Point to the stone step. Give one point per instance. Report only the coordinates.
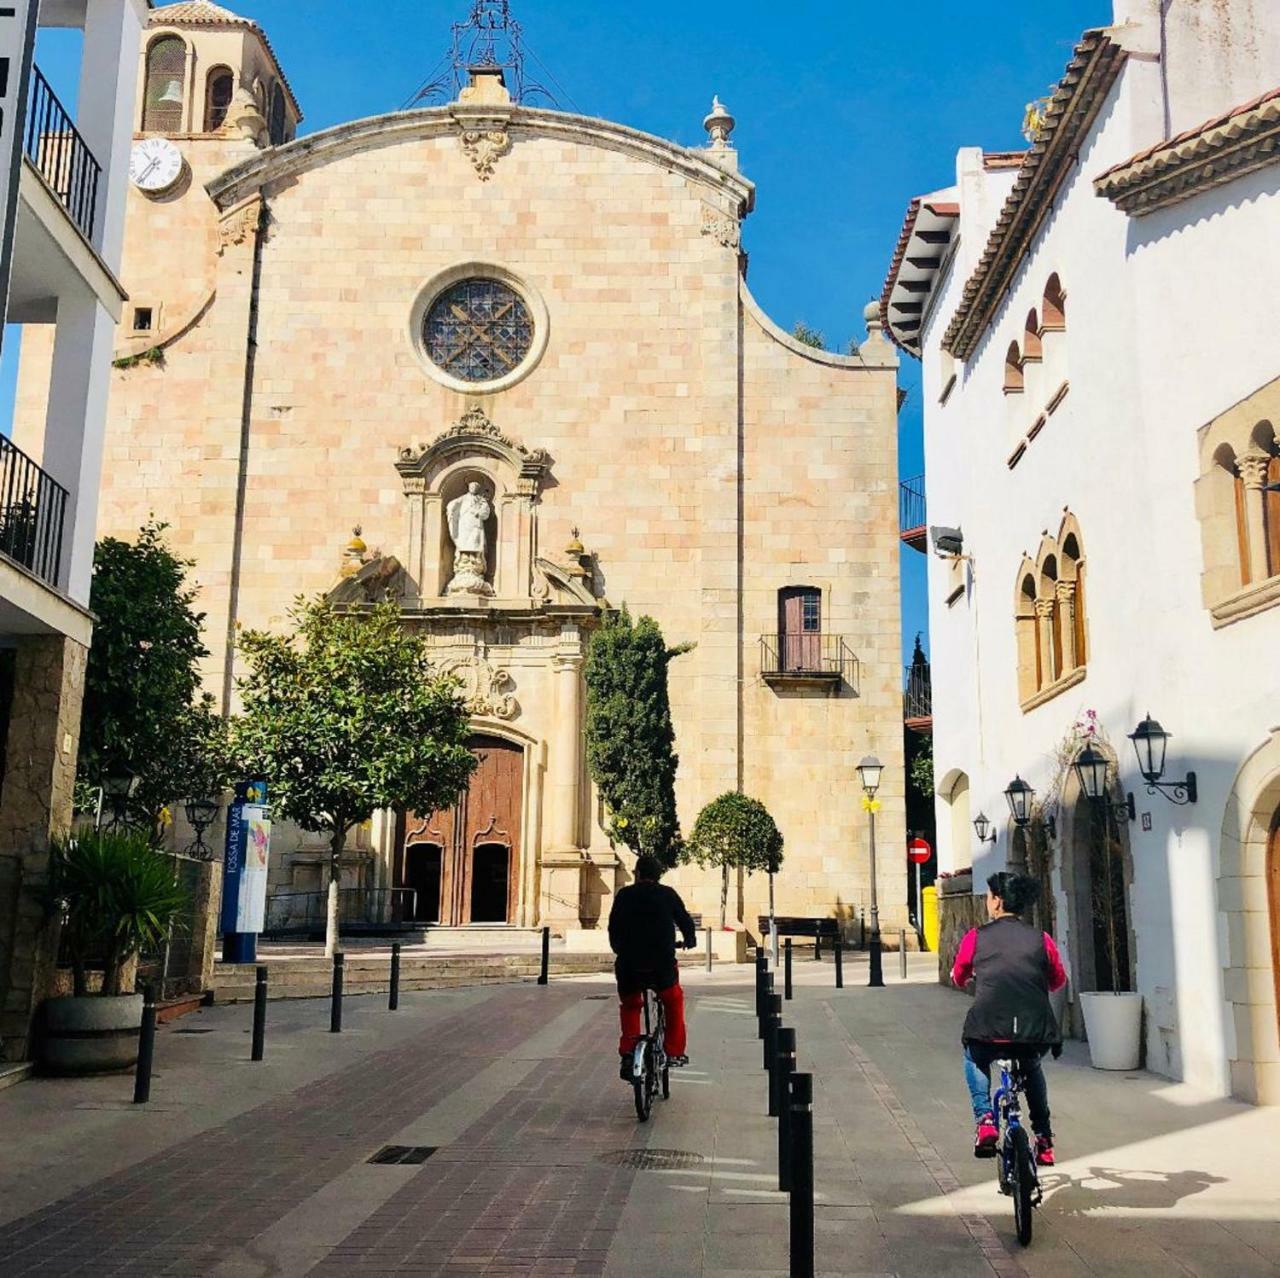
(312, 977)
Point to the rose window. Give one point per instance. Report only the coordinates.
(478, 330)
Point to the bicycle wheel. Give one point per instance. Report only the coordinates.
(642, 1084)
(1024, 1183)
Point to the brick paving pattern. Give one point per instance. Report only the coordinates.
(521, 1192)
(181, 1211)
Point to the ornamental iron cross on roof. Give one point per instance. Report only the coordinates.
(490, 37)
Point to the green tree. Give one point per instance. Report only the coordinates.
(630, 737)
(814, 337)
(345, 716)
(144, 712)
(736, 832)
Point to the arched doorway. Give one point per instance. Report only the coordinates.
(1273, 903)
(1096, 878)
(463, 862)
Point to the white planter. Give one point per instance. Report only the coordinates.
(1113, 1023)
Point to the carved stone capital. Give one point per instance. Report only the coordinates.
(1045, 607)
(1066, 592)
(1253, 468)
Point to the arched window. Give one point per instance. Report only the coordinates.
(1031, 337)
(1051, 614)
(1265, 444)
(220, 86)
(276, 124)
(1013, 370)
(800, 628)
(1030, 678)
(1054, 308)
(164, 94)
(1073, 574)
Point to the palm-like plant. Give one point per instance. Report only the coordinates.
(118, 897)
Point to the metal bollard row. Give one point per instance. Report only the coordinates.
(146, 1047)
(259, 1016)
(545, 974)
(335, 1002)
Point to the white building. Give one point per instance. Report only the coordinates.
(62, 227)
(1097, 324)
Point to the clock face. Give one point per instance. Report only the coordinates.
(155, 164)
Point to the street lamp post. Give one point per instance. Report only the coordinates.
(118, 787)
(869, 771)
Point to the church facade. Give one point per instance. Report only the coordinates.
(515, 349)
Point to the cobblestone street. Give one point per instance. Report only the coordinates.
(238, 1170)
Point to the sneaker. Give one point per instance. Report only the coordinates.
(986, 1137)
(624, 1069)
(1044, 1151)
(677, 1062)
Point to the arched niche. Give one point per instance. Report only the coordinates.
(511, 477)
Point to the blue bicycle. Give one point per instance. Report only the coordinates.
(1015, 1160)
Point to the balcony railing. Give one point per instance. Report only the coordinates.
(61, 155)
(912, 514)
(917, 695)
(807, 657)
(33, 507)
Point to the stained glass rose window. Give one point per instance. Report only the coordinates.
(478, 330)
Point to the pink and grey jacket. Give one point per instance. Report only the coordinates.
(1015, 968)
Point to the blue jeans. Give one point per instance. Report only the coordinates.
(977, 1076)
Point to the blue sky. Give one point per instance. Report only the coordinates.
(845, 111)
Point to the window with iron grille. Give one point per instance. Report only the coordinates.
(276, 127)
(478, 330)
(163, 98)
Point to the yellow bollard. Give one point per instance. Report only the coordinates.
(929, 908)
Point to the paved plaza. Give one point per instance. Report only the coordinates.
(237, 1170)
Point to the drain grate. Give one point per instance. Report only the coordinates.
(404, 1154)
(653, 1159)
(591, 998)
(193, 1030)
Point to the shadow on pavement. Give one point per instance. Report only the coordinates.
(1122, 1188)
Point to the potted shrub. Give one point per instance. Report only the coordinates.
(1113, 1015)
(117, 897)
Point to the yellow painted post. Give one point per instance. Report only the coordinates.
(930, 911)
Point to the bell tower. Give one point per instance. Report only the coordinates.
(207, 72)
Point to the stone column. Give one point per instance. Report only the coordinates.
(1066, 591)
(40, 768)
(1253, 470)
(560, 890)
(1044, 639)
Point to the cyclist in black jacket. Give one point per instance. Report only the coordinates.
(642, 933)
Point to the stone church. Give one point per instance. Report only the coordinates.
(515, 350)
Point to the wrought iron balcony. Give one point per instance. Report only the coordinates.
(917, 696)
(807, 657)
(61, 156)
(912, 514)
(33, 508)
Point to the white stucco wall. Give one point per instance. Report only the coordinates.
(1170, 320)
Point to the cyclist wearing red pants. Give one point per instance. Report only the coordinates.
(642, 933)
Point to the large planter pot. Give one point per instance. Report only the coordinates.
(91, 1035)
(1113, 1023)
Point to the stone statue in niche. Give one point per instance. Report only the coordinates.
(467, 517)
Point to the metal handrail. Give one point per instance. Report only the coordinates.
(912, 508)
(61, 155)
(300, 913)
(807, 653)
(33, 511)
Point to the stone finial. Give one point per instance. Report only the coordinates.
(874, 320)
(354, 554)
(719, 124)
(245, 119)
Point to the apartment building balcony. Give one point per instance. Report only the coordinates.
(917, 697)
(912, 517)
(58, 236)
(808, 657)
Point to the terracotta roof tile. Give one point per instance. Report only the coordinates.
(1238, 141)
(1088, 78)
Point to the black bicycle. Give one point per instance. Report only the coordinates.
(1015, 1160)
(649, 1068)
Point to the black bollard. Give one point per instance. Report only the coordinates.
(335, 1006)
(817, 944)
(146, 1047)
(786, 968)
(772, 1021)
(839, 963)
(783, 1069)
(761, 972)
(259, 1016)
(545, 974)
(802, 1261)
(766, 993)
(393, 998)
(902, 951)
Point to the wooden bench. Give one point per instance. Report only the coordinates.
(819, 929)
